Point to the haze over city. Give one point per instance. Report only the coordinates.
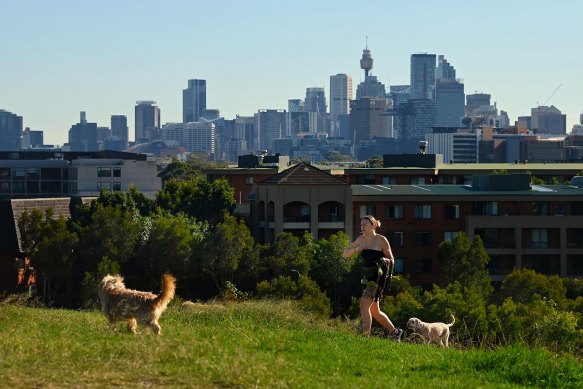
(63, 57)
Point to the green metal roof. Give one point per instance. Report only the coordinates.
(462, 190)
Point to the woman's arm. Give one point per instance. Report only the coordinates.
(387, 251)
(352, 249)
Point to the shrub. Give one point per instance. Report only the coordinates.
(305, 290)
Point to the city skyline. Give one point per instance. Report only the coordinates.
(64, 57)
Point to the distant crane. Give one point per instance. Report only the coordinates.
(548, 98)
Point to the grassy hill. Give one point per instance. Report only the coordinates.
(248, 345)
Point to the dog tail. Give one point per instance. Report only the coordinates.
(167, 294)
(452, 321)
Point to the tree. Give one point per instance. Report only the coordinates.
(287, 253)
(178, 170)
(50, 245)
(522, 285)
(167, 244)
(329, 269)
(225, 247)
(465, 261)
(198, 198)
(375, 161)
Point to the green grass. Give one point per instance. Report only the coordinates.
(248, 345)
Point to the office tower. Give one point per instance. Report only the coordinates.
(548, 120)
(270, 125)
(368, 118)
(370, 87)
(315, 100)
(340, 96)
(412, 120)
(83, 136)
(10, 131)
(193, 100)
(193, 136)
(449, 101)
(32, 139)
(475, 101)
(295, 105)
(422, 75)
(119, 129)
(147, 121)
(245, 129)
(444, 71)
(581, 119)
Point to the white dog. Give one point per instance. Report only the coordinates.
(430, 332)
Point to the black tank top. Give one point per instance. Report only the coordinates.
(372, 260)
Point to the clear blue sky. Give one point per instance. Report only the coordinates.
(61, 57)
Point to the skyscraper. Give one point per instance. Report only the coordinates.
(340, 96)
(10, 131)
(548, 120)
(83, 135)
(147, 121)
(368, 118)
(271, 125)
(119, 128)
(193, 100)
(315, 100)
(448, 95)
(422, 75)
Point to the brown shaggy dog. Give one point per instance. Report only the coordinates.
(119, 303)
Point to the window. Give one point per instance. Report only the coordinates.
(18, 174)
(32, 187)
(5, 173)
(417, 180)
(50, 173)
(32, 173)
(422, 212)
(452, 211)
(117, 186)
(4, 187)
(305, 213)
(423, 239)
(540, 208)
(367, 210)
(117, 172)
(248, 180)
(395, 211)
(103, 172)
(334, 211)
(559, 209)
(540, 238)
(395, 239)
(389, 180)
(399, 266)
(104, 185)
(491, 208)
(18, 187)
(449, 235)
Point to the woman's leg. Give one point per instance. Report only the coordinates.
(365, 314)
(380, 316)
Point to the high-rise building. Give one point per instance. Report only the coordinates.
(10, 131)
(147, 121)
(193, 136)
(475, 101)
(119, 129)
(368, 119)
(449, 101)
(83, 136)
(548, 120)
(412, 121)
(270, 125)
(32, 139)
(315, 100)
(422, 75)
(340, 96)
(193, 100)
(444, 71)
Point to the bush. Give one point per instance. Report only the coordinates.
(305, 290)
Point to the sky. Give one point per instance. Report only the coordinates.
(61, 57)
